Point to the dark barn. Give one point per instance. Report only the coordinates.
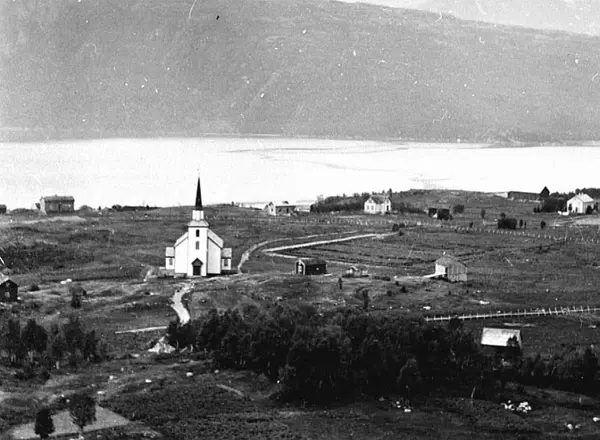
(507, 223)
(311, 266)
(9, 290)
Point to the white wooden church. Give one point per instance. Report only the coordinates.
(199, 252)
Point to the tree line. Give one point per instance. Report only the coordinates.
(323, 357)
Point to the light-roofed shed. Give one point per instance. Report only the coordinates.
(498, 337)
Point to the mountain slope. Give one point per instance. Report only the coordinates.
(578, 16)
(314, 68)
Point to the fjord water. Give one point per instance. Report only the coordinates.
(162, 172)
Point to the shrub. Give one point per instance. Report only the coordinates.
(75, 301)
(34, 288)
(44, 426)
(82, 408)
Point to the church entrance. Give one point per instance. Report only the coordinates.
(197, 267)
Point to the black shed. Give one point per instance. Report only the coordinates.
(311, 266)
(9, 290)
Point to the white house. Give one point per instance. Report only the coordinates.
(199, 252)
(378, 205)
(580, 203)
(280, 208)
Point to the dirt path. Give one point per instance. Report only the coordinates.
(273, 251)
(177, 305)
(246, 255)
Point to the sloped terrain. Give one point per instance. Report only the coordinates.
(310, 68)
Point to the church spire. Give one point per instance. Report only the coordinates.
(198, 206)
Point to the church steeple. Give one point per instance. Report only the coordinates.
(198, 206)
(198, 212)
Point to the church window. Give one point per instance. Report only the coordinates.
(197, 245)
(197, 232)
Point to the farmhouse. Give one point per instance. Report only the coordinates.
(450, 268)
(580, 204)
(2, 209)
(199, 251)
(377, 204)
(497, 338)
(280, 208)
(57, 204)
(8, 289)
(311, 266)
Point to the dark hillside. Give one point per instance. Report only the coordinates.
(314, 68)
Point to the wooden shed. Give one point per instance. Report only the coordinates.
(451, 268)
(57, 204)
(9, 290)
(311, 266)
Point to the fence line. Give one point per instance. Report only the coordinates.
(512, 313)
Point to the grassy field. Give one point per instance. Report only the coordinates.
(110, 254)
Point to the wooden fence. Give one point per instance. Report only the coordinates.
(518, 313)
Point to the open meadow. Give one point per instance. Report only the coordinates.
(114, 256)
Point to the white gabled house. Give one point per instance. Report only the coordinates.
(378, 205)
(580, 204)
(280, 208)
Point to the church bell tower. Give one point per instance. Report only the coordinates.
(197, 239)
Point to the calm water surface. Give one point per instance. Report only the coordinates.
(163, 171)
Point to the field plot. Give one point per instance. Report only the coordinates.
(513, 270)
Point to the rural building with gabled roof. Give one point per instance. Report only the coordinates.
(57, 204)
(280, 208)
(580, 204)
(378, 204)
(9, 290)
(311, 266)
(450, 268)
(199, 251)
(498, 337)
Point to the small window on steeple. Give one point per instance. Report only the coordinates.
(197, 245)
(197, 232)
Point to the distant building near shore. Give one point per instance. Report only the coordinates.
(9, 290)
(378, 204)
(280, 208)
(581, 204)
(439, 213)
(522, 196)
(2, 209)
(57, 204)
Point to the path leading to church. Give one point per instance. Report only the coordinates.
(177, 305)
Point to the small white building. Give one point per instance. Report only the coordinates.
(280, 208)
(580, 203)
(377, 204)
(451, 268)
(498, 337)
(198, 252)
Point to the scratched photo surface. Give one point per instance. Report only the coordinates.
(310, 219)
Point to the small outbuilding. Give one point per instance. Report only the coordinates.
(226, 254)
(355, 271)
(2, 209)
(451, 268)
(9, 290)
(311, 266)
(280, 208)
(497, 338)
(57, 204)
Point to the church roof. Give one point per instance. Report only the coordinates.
(198, 205)
(215, 238)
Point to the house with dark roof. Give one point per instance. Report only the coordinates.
(57, 204)
(378, 204)
(450, 268)
(311, 266)
(9, 290)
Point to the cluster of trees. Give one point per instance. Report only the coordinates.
(82, 409)
(33, 346)
(323, 357)
(342, 203)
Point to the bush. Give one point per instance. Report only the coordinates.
(75, 301)
(34, 288)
